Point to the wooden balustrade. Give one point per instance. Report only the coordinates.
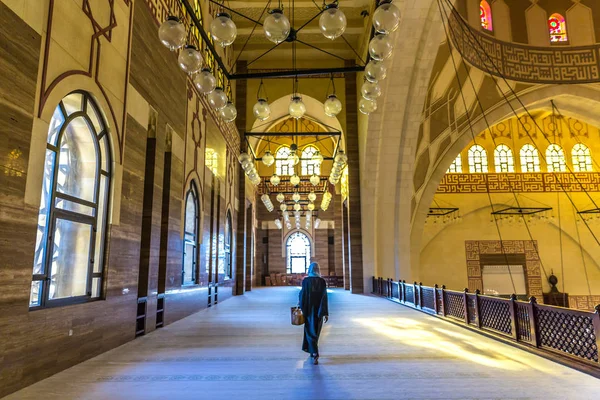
(568, 336)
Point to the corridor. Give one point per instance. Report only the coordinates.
(371, 349)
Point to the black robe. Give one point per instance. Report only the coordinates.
(313, 302)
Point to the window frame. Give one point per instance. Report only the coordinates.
(54, 213)
(560, 152)
(307, 164)
(484, 4)
(504, 157)
(281, 163)
(307, 251)
(471, 160)
(576, 158)
(565, 34)
(456, 167)
(535, 157)
(193, 192)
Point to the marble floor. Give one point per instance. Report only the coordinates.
(245, 348)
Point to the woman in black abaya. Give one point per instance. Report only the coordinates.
(313, 302)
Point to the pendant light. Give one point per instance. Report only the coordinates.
(296, 108)
(190, 60)
(172, 33)
(380, 47)
(317, 158)
(315, 179)
(276, 26)
(375, 71)
(367, 106)
(278, 223)
(217, 98)
(261, 109)
(332, 22)
(370, 90)
(280, 197)
(332, 105)
(293, 158)
(268, 159)
(275, 180)
(311, 206)
(295, 180)
(223, 29)
(386, 17)
(228, 113)
(205, 81)
(296, 197)
(312, 196)
(297, 207)
(283, 207)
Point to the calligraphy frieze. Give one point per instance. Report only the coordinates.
(535, 182)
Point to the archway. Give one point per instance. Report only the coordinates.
(297, 253)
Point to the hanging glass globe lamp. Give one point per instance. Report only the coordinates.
(283, 207)
(172, 33)
(310, 207)
(228, 113)
(190, 60)
(317, 157)
(386, 17)
(367, 106)
(261, 110)
(341, 158)
(315, 179)
(297, 207)
(296, 197)
(295, 180)
(276, 26)
(223, 29)
(275, 180)
(332, 106)
(332, 22)
(244, 158)
(268, 158)
(370, 90)
(312, 196)
(375, 71)
(217, 98)
(293, 158)
(296, 107)
(380, 47)
(205, 81)
(280, 197)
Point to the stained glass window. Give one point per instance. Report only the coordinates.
(503, 159)
(555, 157)
(309, 166)
(485, 13)
(73, 216)
(530, 159)
(477, 159)
(298, 253)
(582, 158)
(190, 242)
(282, 165)
(456, 166)
(558, 28)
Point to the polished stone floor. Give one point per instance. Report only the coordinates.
(245, 348)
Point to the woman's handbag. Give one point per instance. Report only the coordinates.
(297, 316)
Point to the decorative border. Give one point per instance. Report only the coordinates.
(524, 63)
(474, 248)
(535, 182)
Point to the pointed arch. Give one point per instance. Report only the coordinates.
(582, 158)
(283, 166)
(503, 159)
(485, 15)
(530, 158)
(189, 268)
(555, 157)
(478, 162)
(310, 166)
(557, 27)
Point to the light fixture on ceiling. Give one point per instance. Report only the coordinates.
(190, 60)
(370, 90)
(261, 109)
(280, 197)
(332, 105)
(326, 200)
(332, 22)
(297, 108)
(217, 98)
(339, 163)
(223, 29)
(297, 207)
(205, 81)
(312, 196)
(275, 180)
(293, 158)
(311, 206)
(315, 179)
(367, 106)
(375, 71)
(268, 159)
(296, 197)
(317, 223)
(380, 47)
(295, 180)
(267, 202)
(283, 207)
(228, 113)
(247, 163)
(276, 26)
(172, 33)
(278, 223)
(386, 18)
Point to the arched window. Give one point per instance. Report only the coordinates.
(477, 159)
(555, 157)
(69, 251)
(309, 166)
(456, 166)
(485, 13)
(190, 240)
(227, 247)
(557, 27)
(530, 159)
(298, 253)
(582, 158)
(503, 159)
(282, 165)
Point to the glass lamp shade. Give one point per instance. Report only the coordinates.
(276, 26)
(317, 223)
(386, 18)
(296, 107)
(223, 29)
(341, 158)
(375, 71)
(281, 197)
(268, 158)
(278, 223)
(367, 106)
(296, 197)
(380, 47)
(293, 158)
(370, 90)
(318, 157)
(295, 180)
(332, 22)
(228, 113)
(172, 33)
(297, 207)
(333, 180)
(283, 207)
(275, 180)
(205, 81)
(217, 98)
(244, 158)
(311, 206)
(261, 110)
(190, 60)
(332, 106)
(315, 179)
(312, 196)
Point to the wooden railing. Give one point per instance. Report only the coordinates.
(569, 336)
